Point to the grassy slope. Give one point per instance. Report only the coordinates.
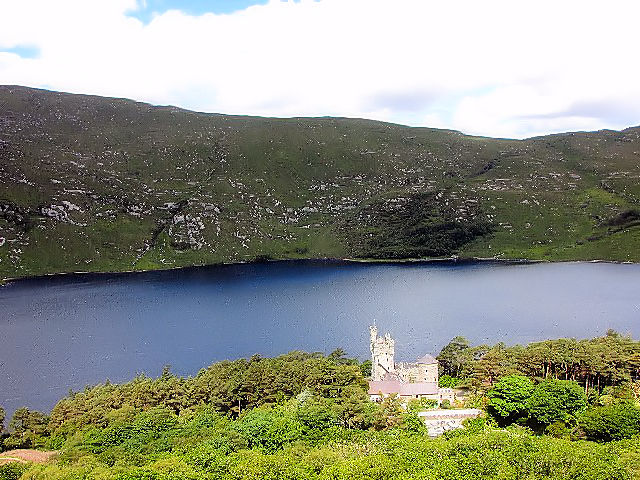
(138, 187)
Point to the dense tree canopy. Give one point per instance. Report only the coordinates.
(508, 399)
(560, 408)
(612, 422)
(555, 400)
(285, 442)
(27, 428)
(2, 417)
(594, 363)
(308, 416)
(451, 358)
(230, 386)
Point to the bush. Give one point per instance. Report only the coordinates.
(316, 413)
(555, 400)
(156, 419)
(269, 428)
(421, 404)
(12, 471)
(472, 426)
(388, 413)
(411, 422)
(508, 399)
(558, 430)
(611, 422)
(447, 381)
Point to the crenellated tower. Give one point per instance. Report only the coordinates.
(382, 352)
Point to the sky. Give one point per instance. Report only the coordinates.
(485, 67)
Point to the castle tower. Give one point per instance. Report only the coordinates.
(382, 351)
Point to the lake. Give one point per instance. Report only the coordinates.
(65, 332)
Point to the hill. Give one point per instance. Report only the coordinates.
(101, 184)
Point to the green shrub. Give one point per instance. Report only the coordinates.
(156, 419)
(447, 381)
(12, 471)
(138, 474)
(557, 429)
(555, 400)
(420, 404)
(612, 422)
(316, 413)
(508, 399)
(411, 422)
(269, 428)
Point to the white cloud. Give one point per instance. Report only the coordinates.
(499, 68)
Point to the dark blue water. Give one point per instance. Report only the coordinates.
(66, 332)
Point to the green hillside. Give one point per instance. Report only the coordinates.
(99, 184)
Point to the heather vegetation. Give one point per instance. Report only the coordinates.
(308, 416)
(100, 184)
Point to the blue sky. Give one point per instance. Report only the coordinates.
(24, 51)
(149, 8)
(496, 68)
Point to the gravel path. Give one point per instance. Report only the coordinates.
(25, 455)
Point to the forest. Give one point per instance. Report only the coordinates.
(555, 409)
(612, 359)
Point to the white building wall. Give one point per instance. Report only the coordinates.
(382, 354)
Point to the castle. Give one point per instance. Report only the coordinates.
(417, 379)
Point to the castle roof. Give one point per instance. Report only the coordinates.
(427, 360)
(386, 387)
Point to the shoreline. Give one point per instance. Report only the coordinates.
(327, 260)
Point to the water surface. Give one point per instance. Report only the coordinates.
(62, 333)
